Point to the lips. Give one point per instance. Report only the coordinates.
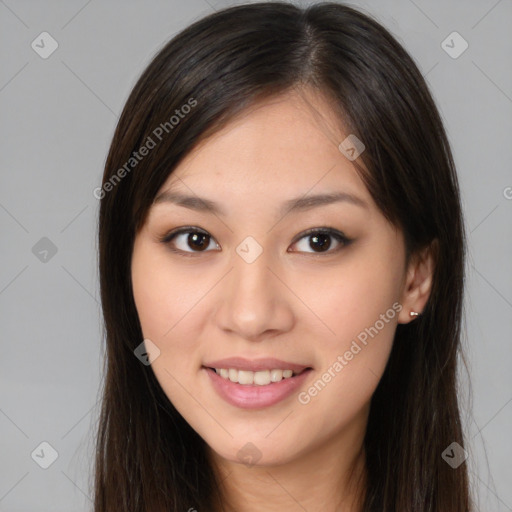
(256, 365)
(253, 395)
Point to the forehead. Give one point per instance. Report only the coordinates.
(285, 146)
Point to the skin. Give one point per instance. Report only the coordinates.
(294, 302)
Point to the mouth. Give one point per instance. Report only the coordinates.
(255, 384)
(256, 378)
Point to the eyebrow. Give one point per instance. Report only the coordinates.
(303, 203)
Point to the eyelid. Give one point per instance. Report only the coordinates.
(339, 236)
(322, 230)
(168, 237)
(178, 231)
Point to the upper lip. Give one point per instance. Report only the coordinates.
(255, 365)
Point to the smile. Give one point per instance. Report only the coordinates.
(249, 385)
(247, 377)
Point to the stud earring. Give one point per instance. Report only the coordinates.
(413, 313)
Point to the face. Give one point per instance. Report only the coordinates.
(242, 282)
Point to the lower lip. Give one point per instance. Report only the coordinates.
(254, 396)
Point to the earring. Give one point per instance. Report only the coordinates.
(413, 313)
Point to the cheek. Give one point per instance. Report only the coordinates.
(169, 308)
(358, 308)
(351, 369)
(164, 298)
(353, 296)
(165, 305)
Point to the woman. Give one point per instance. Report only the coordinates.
(281, 253)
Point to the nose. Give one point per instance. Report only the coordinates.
(254, 303)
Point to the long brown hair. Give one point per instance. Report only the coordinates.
(148, 457)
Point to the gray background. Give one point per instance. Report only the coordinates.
(58, 116)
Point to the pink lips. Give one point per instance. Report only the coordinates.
(254, 396)
(255, 365)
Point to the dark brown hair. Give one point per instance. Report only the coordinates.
(148, 457)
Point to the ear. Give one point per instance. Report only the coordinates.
(418, 282)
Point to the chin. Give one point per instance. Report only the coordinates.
(256, 452)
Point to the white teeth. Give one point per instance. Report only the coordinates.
(246, 377)
(262, 378)
(276, 375)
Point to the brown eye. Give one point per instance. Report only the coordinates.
(198, 241)
(188, 240)
(321, 241)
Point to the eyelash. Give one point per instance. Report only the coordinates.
(337, 235)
